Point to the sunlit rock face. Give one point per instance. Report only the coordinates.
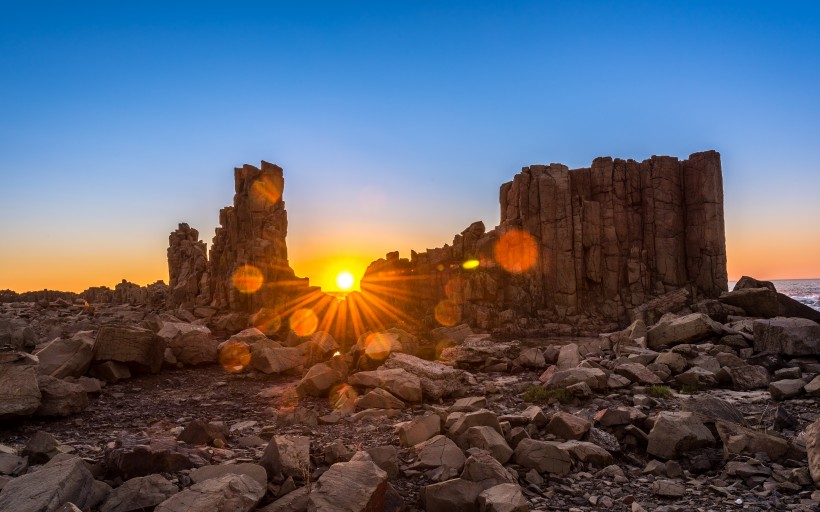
(248, 263)
(585, 247)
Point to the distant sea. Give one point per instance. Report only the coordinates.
(806, 291)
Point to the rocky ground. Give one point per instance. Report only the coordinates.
(131, 410)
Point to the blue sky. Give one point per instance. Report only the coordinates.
(395, 122)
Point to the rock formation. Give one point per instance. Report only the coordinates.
(586, 247)
(248, 264)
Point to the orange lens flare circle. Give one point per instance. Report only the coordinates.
(304, 322)
(235, 356)
(343, 398)
(248, 279)
(516, 251)
(267, 321)
(265, 189)
(378, 346)
(447, 313)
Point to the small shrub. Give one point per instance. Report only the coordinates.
(688, 389)
(539, 395)
(659, 391)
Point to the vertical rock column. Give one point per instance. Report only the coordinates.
(187, 268)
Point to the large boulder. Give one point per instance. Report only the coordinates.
(139, 457)
(738, 440)
(194, 348)
(503, 498)
(397, 381)
(787, 336)
(595, 378)
(45, 490)
(686, 329)
(319, 380)
(63, 358)
(228, 493)
(543, 456)
(138, 348)
(437, 380)
(19, 392)
(456, 495)
(60, 398)
(812, 437)
(355, 486)
(138, 494)
(17, 334)
(758, 302)
(254, 471)
(268, 359)
(675, 433)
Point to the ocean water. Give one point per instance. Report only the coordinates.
(806, 291)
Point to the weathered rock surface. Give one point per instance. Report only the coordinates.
(397, 381)
(187, 265)
(194, 347)
(19, 392)
(67, 357)
(138, 494)
(543, 456)
(437, 380)
(133, 346)
(787, 336)
(45, 490)
(676, 433)
(228, 493)
(355, 486)
(60, 398)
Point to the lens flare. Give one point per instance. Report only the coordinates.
(378, 346)
(267, 190)
(234, 356)
(288, 400)
(247, 279)
(267, 321)
(516, 251)
(470, 264)
(345, 280)
(447, 313)
(343, 398)
(304, 322)
(454, 290)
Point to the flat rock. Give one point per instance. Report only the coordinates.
(132, 457)
(786, 388)
(60, 398)
(318, 380)
(453, 495)
(482, 468)
(195, 347)
(568, 426)
(503, 498)
(487, 438)
(676, 433)
(439, 451)
(437, 380)
(397, 381)
(812, 437)
(67, 358)
(138, 348)
(268, 359)
(228, 493)
(543, 456)
(19, 392)
(46, 489)
(748, 377)
(595, 378)
(419, 429)
(787, 336)
(138, 494)
(254, 471)
(355, 486)
(686, 329)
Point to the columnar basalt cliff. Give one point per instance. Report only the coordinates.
(248, 265)
(585, 247)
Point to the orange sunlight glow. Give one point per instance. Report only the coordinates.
(304, 322)
(248, 279)
(516, 251)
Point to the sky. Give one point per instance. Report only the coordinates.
(395, 122)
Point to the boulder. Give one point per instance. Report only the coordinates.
(60, 398)
(738, 440)
(17, 334)
(437, 380)
(138, 494)
(45, 490)
(503, 498)
(456, 495)
(138, 348)
(140, 457)
(439, 451)
(568, 357)
(482, 468)
(194, 348)
(387, 458)
(294, 455)
(757, 302)
(812, 437)
(202, 432)
(568, 426)
(355, 486)
(595, 378)
(228, 493)
(588, 453)
(254, 471)
(686, 329)
(787, 336)
(786, 388)
(275, 359)
(697, 378)
(63, 358)
(419, 429)
(319, 380)
(378, 399)
(637, 373)
(543, 456)
(487, 438)
(19, 392)
(710, 408)
(675, 433)
(748, 377)
(397, 381)
(41, 448)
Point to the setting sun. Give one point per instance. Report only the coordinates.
(344, 280)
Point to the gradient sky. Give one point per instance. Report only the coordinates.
(395, 122)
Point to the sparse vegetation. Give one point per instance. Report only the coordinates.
(688, 389)
(659, 391)
(539, 395)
